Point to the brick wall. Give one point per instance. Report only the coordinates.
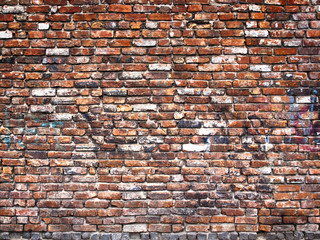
(163, 119)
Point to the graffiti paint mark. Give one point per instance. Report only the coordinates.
(7, 139)
(208, 143)
(308, 128)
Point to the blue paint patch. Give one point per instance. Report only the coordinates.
(53, 124)
(291, 99)
(290, 92)
(7, 140)
(30, 131)
(314, 92)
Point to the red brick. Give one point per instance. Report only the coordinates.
(26, 179)
(285, 51)
(159, 17)
(72, 9)
(119, 8)
(84, 17)
(299, 2)
(232, 42)
(109, 195)
(7, 212)
(36, 34)
(38, 9)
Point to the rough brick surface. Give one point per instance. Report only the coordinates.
(160, 119)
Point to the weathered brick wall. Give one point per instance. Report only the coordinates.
(160, 118)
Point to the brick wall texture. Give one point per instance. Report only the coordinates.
(161, 119)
